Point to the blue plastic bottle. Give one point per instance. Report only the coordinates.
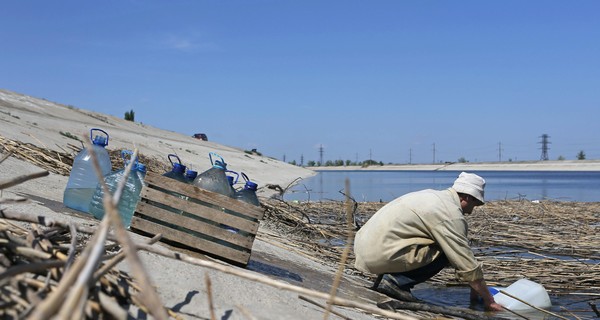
(214, 179)
(83, 179)
(177, 170)
(248, 193)
(129, 197)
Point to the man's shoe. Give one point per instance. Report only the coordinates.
(391, 290)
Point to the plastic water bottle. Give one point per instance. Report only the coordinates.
(129, 197)
(177, 169)
(526, 290)
(83, 179)
(214, 179)
(248, 193)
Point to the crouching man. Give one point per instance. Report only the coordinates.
(415, 236)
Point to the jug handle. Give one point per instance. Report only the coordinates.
(173, 155)
(237, 176)
(97, 129)
(245, 177)
(210, 154)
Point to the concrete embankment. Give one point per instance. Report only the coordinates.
(562, 165)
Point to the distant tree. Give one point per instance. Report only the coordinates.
(581, 155)
(293, 162)
(348, 162)
(462, 160)
(310, 163)
(367, 163)
(130, 115)
(561, 158)
(339, 163)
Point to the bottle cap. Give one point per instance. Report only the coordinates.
(251, 185)
(191, 174)
(100, 141)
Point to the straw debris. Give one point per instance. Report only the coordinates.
(553, 243)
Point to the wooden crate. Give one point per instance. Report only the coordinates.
(196, 219)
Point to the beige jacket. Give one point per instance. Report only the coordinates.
(413, 230)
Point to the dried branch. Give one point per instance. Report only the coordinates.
(20, 179)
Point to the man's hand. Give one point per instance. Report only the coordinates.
(479, 288)
(494, 307)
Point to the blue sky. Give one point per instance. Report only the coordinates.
(387, 80)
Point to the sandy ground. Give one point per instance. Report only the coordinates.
(180, 285)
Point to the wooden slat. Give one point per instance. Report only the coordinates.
(198, 210)
(196, 219)
(204, 195)
(145, 210)
(191, 241)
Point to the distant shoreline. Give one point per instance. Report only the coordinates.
(558, 165)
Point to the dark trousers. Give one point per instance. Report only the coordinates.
(407, 280)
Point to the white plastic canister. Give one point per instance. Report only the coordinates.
(526, 290)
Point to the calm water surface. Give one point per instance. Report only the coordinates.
(501, 185)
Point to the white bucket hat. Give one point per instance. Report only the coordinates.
(470, 184)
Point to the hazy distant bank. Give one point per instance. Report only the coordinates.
(560, 165)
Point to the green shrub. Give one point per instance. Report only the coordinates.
(130, 115)
(70, 135)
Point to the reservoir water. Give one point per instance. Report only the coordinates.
(580, 186)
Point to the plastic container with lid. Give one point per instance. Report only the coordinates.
(129, 196)
(215, 179)
(248, 193)
(524, 289)
(177, 169)
(83, 179)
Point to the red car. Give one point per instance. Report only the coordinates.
(200, 136)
